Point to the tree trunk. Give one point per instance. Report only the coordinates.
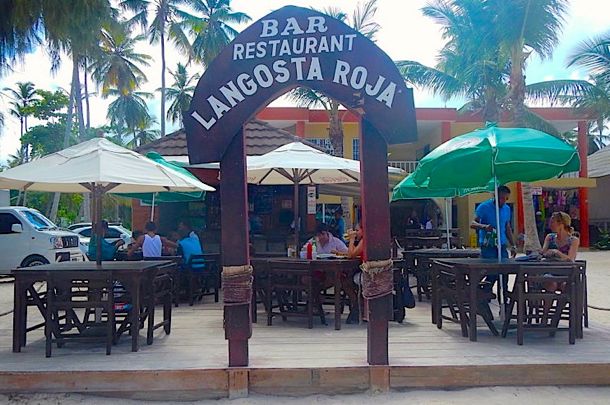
(162, 82)
(491, 111)
(335, 134)
(67, 133)
(517, 96)
(86, 88)
(335, 130)
(78, 98)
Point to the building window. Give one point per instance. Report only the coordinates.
(324, 144)
(356, 149)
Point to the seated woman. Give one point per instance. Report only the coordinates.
(355, 250)
(108, 249)
(561, 244)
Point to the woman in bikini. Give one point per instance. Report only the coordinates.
(561, 244)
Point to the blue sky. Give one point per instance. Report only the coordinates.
(405, 34)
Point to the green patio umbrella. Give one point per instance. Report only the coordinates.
(162, 197)
(495, 156)
(408, 190)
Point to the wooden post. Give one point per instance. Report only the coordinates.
(583, 193)
(235, 243)
(376, 225)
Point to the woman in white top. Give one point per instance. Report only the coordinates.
(150, 242)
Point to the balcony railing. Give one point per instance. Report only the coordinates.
(408, 166)
(571, 175)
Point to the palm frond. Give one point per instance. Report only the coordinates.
(535, 121)
(555, 91)
(594, 55)
(363, 19)
(423, 76)
(306, 97)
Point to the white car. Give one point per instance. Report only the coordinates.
(28, 238)
(115, 232)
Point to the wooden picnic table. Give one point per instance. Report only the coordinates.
(419, 262)
(135, 276)
(476, 269)
(333, 267)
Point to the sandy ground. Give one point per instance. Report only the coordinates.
(489, 396)
(598, 270)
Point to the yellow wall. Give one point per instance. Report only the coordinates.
(465, 205)
(320, 130)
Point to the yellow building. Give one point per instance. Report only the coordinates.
(434, 125)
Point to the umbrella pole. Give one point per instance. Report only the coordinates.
(152, 208)
(97, 203)
(447, 222)
(296, 215)
(498, 238)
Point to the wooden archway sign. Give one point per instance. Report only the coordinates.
(288, 48)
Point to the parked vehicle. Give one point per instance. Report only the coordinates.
(28, 238)
(115, 233)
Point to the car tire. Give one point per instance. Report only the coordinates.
(34, 260)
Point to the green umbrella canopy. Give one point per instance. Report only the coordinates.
(512, 154)
(167, 196)
(407, 189)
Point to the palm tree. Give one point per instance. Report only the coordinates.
(210, 26)
(181, 93)
(128, 110)
(524, 27)
(22, 96)
(19, 33)
(362, 20)
(166, 22)
(594, 55)
(144, 133)
(590, 97)
(116, 64)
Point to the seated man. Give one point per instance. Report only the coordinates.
(327, 242)
(189, 245)
(108, 249)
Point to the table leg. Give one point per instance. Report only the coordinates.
(18, 318)
(134, 328)
(337, 300)
(435, 304)
(474, 285)
(581, 302)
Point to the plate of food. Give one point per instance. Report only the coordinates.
(326, 256)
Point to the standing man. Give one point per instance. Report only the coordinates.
(337, 226)
(485, 224)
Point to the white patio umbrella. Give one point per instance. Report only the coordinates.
(298, 164)
(98, 166)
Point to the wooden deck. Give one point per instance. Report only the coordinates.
(288, 358)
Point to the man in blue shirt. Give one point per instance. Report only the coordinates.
(485, 223)
(189, 245)
(108, 249)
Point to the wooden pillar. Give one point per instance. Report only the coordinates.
(445, 131)
(235, 243)
(583, 193)
(376, 224)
